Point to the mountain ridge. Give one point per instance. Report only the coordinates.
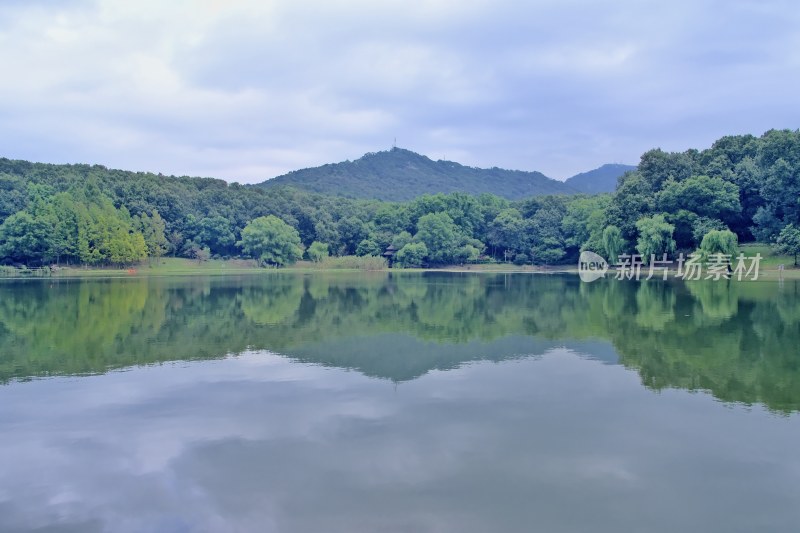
(399, 175)
(599, 180)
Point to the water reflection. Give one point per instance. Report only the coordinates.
(260, 443)
(737, 340)
(559, 437)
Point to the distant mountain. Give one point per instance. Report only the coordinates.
(399, 174)
(599, 180)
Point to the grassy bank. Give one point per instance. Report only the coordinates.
(176, 266)
(167, 266)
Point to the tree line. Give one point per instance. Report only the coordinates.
(743, 188)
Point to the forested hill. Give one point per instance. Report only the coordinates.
(400, 175)
(741, 188)
(599, 180)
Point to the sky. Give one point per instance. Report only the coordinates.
(248, 90)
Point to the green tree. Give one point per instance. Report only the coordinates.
(585, 220)
(153, 230)
(63, 214)
(633, 200)
(788, 242)
(271, 240)
(440, 235)
(703, 225)
(216, 233)
(401, 239)
(547, 251)
(766, 224)
(368, 247)
(24, 238)
(125, 247)
(506, 232)
(466, 212)
(176, 240)
(781, 187)
(325, 230)
(612, 243)
(391, 218)
(412, 255)
(317, 252)
(706, 196)
(719, 242)
(12, 195)
(685, 225)
(657, 166)
(90, 234)
(467, 254)
(655, 236)
(105, 234)
(544, 233)
(748, 176)
(351, 231)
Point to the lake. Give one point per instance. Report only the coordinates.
(433, 402)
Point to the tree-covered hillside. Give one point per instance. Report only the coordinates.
(599, 180)
(742, 188)
(400, 175)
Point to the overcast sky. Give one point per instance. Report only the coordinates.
(247, 90)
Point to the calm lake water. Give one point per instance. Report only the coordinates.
(404, 402)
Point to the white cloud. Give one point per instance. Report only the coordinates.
(246, 90)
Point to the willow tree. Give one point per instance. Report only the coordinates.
(722, 242)
(655, 236)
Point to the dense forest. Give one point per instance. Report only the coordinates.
(743, 188)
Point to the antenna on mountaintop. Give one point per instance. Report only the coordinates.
(394, 145)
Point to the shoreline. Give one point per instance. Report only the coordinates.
(186, 267)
